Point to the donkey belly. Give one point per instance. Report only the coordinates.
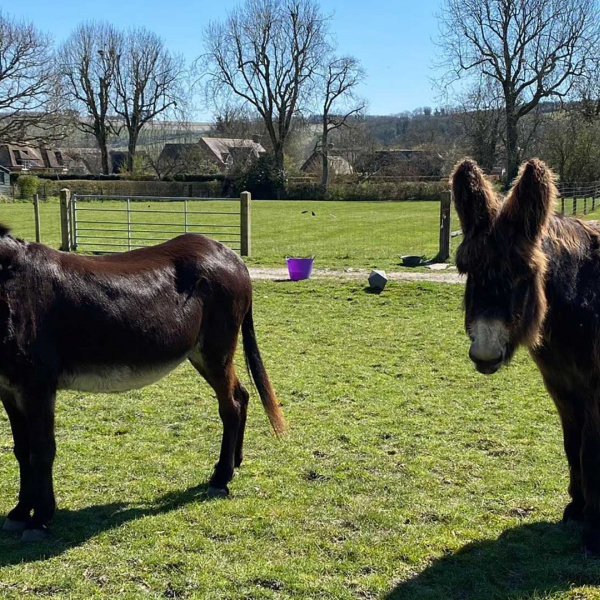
(114, 378)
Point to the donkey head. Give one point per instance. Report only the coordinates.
(501, 253)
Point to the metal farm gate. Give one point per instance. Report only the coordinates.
(108, 224)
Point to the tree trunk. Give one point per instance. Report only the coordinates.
(512, 147)
(325, 155)
(104, 156)
(101, 139)
(280, 167)
(131, 146)
(278, 154)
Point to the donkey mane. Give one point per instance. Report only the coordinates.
(572, 235)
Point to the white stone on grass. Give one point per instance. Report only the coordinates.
(377, 280)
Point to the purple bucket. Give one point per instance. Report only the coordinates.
(299, 268)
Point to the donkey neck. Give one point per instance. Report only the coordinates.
(571, 330)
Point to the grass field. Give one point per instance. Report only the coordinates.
(405, 474)
(340, 234)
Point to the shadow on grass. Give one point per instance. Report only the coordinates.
(529, 561)
(71, 528)
(369, 290)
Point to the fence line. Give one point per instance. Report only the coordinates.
(88, 223)
(576, 196)
(341, 234)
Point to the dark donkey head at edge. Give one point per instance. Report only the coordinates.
(502, 256)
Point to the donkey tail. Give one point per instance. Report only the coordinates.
(256, 368)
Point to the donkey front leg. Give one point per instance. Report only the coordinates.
(19, 516)
(590, 476)
(572, 430)
(39, 413)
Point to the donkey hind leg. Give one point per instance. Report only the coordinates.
(39, 412)
(590, 475)
(243, 397)
(221, 377)
(18, 517)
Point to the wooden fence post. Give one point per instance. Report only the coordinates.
(445, 210)
(36, 216)
(245, 224)
(65, 219)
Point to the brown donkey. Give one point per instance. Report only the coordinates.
(115, 323)
(533, 278)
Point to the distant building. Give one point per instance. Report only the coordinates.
(5, 189)
(224, 153)
(228, 152)
(17, 158)
(338, 165)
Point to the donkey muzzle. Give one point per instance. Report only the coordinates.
(486, 366)
(490, 340)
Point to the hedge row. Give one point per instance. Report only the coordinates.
(369, 191)
(399, 191)
(198, 189)
(125, 177)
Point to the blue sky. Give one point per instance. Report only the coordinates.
(392, 38)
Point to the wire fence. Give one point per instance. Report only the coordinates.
(349, 234)
(20, 217)
(579, 198)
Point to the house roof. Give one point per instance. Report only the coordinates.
(337, 164)
(222, 147)
(18, 157)
(176, 150)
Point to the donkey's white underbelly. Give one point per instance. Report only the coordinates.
(114, 378)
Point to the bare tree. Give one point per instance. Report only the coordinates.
(30, 106)
(264, 55)
(235, 121)
(336, 83)
(357, 141)
(148, 82)
(481, 116)
(171, 149)
(88, 65)
(534, 49)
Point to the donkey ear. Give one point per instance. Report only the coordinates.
(475, 200)
(531, 200)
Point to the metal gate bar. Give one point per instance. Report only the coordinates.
(94, 231)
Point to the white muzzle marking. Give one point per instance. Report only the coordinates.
(490, 338)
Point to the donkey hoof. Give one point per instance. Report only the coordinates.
(35, 535)
(573, 512)
(591, 542)
(12, 526)
(215, 492)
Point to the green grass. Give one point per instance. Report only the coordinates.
(340, 234)
(405, 474)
